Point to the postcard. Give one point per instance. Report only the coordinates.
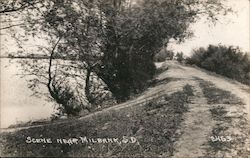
(125, 78)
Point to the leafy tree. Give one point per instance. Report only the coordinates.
(164, 55)
(10, 9)
(228, 61)
(114, 40)
(135, 33)
(179, 57)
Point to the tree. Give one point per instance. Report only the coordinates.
(9, 9)
(116, 40)
(135, 33)
(7, 6)
(80, 33)
(163, 55)
(225, 60)
(179, 57)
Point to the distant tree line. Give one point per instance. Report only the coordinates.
(228, 61)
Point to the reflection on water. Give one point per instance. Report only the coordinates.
(17, 104)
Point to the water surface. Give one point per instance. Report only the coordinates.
(17, 103)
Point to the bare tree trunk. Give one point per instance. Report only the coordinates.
(52, 90)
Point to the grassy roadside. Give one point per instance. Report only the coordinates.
(229, 134)
(153, 126)
(217, 96)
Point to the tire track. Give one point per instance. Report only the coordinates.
(196, 127)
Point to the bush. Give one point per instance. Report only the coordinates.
(69, 104)
(179, 57)
(227, 61)
(164, 55)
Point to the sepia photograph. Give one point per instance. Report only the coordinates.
(125, 78)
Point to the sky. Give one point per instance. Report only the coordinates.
(233, 29)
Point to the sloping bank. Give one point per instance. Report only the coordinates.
(148, 130)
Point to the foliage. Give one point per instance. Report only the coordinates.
(164, 55)
(7, 6)
(179, 57)
(113, 40)
(134, 34)
(227, 61)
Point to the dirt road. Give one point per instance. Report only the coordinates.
(217, 123)
(218, 117)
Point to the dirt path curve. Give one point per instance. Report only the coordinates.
(198, 122)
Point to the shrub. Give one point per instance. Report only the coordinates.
(164, 55)
(227, 61)
(69, 103)
(179, 57)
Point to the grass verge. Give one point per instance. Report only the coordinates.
(229, 134)
(217, 96)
